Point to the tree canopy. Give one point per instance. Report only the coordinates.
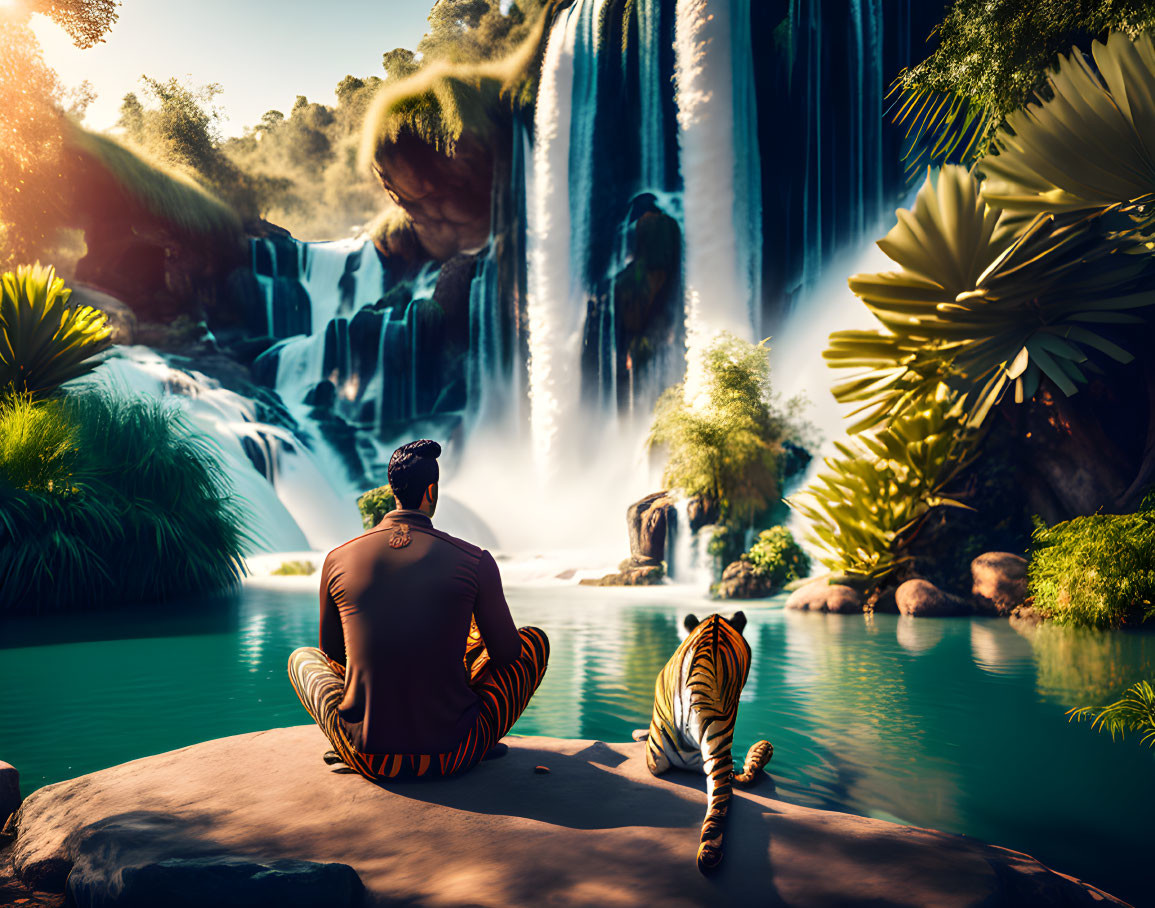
(726, 448)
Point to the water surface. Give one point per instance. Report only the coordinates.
(956, 724)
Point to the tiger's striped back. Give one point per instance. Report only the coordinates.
(692, 726)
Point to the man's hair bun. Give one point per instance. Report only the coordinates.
(412, 468)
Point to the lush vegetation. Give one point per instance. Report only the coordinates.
(107, 501)
(295, 569)
(1134, 712)
(983, 302)
(992, 58)
(375, 504)
(778, 558)
(1097, 570)
(727, 447)
(867, 508)
(44, 342)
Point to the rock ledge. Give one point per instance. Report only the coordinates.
(596, 830)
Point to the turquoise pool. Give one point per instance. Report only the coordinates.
(956, 724)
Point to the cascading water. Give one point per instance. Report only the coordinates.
(717, 137)
(285, 489)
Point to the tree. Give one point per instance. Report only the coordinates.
(726, 448)
(992, 58)
(32, 206)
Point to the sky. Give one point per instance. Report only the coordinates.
(262, 53)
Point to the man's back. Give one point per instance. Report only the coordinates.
(396, 604)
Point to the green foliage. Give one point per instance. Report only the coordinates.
(122, 505)
(992, 57)
(306, 164)
(296, 569)
(179, 127)
(1084, 149)
(44, 342)
(980, 304)
(866, 509)
(727, 446)
(1096, 571)
(375, 504)
(1135, 712)
(38, 445)
(162, 188)
(776, 556)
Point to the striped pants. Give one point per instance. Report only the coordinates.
(504, 693)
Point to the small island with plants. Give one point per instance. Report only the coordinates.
(813, 347)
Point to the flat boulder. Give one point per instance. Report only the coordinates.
(821, 596)
(740, 580)
(9, 791)
(999, 583)
(597, 829)
(922, 599)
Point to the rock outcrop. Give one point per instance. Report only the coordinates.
(740, 580)
(9, 791)
(650, 522)
(597, 829)
(999, 583)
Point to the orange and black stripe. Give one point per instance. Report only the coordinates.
(504, 694)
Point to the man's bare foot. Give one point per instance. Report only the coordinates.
(500, 749)
(640, 734)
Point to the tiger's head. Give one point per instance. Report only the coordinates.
(738, 622)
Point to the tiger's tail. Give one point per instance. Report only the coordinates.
(757, 757)
(718, 765)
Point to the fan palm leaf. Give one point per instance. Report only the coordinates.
(983, 302)
(1091, 147)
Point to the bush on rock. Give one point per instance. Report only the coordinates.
(1097, 571)
(375, 504)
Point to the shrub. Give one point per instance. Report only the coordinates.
(124, 506)
(727, 447)
(1097, 571)
(375, 504)
(1134, 712)
(296, 569)
(869, 505)
(44, 342)
(777, 557)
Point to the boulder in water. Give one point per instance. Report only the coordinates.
(740, 580)
(821, 596)
(999, 583)
(922, 599)
(9, 791)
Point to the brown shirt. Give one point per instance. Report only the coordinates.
(396, 614)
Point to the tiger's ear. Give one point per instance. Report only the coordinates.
(738, 622)
(690, 623)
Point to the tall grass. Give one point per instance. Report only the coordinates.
(107, 500)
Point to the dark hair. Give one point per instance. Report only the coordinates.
(412, 469)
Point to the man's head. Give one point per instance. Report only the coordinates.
(413, 475)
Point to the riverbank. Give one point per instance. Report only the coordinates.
(596, 828)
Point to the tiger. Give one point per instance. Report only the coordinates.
(692, 727)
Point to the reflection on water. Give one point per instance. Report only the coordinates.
(956, 724)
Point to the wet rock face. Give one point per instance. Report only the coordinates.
(999, 583)
(649, 522)
(447, 198)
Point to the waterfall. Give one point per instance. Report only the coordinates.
(652, 172)
(719, 161)
(554, 321)
(290, 495)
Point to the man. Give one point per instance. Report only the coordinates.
(420, 670)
